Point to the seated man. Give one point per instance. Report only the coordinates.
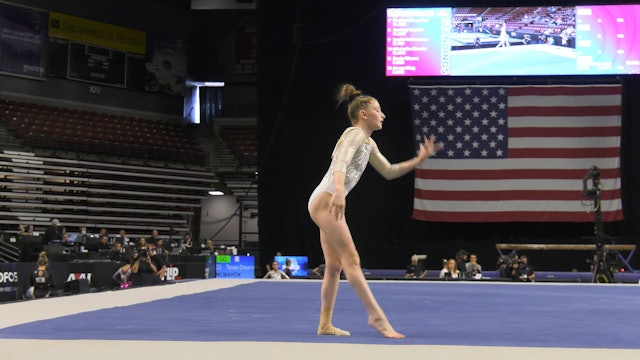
(415, 269)
(103, 244)
(473, 269)
(162, 249)
(118, 253)
(122, 238)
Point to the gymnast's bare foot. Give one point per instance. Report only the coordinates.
(382, 325)
(332, 330)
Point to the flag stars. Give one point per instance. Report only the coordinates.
(472, 121)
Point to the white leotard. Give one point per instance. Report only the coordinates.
(351, 154)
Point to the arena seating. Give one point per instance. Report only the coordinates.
(48, 127)
(243, 142)
(35, 189)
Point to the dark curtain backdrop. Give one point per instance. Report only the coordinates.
(304, 53)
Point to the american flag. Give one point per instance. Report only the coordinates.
(517, 153)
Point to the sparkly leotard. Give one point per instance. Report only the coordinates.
(351, 155)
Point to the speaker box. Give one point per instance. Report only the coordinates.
(78, 286)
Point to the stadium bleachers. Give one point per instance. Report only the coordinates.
(36, 189)
(42, 126)
(243, 142)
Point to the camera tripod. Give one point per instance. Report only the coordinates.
(601, 269)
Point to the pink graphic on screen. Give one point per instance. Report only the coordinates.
(418, 42)
(608, 41)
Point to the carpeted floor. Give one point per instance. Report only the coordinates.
(491, 318)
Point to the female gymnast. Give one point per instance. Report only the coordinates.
(353, 151)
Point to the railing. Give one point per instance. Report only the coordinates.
(8, 252)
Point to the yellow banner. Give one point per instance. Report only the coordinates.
(97, 33)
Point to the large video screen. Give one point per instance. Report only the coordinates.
(298, 264)
(513, 41)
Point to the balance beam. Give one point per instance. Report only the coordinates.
(575, 247)
(588, 247)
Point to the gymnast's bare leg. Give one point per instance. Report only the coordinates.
(340, 254)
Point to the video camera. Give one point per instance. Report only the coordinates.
(593, 174)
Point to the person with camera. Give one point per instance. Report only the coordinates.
(505, 265)
(522, 271)
(143, 269)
